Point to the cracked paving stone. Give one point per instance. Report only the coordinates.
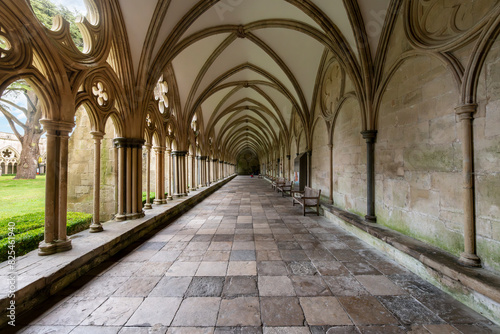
(205, 287)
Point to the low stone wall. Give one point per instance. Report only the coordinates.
(39, 277)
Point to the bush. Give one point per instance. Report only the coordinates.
(151, 197)
(29, 228)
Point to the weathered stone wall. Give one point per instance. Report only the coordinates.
(349, 160)
(487, 161)
(418, 160)
(320, 159)
(81, 169)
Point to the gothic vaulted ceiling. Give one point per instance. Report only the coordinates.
(246, 68)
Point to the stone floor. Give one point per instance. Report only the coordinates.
(246, 261)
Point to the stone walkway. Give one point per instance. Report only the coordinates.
(246, 261)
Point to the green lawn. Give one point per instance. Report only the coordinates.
(22, 214)
(20, 197)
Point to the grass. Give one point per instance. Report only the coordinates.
(23, 203)
(20, 197)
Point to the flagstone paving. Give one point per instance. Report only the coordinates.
(245, 261)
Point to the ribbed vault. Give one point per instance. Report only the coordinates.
(246, 71)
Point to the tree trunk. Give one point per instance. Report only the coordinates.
(26, 169)
(28, 162)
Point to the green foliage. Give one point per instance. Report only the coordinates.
(45, 11)
(28, 231)
(151, 197)
(22, 196)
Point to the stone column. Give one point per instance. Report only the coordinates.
(169, 173)
(160, 182)
(56, 186)
(370, 137)
(186, 171)
(121, 179)
(330, 198)
(130, 178)
(147, 147)
(96, 224)
(466, 116)
(178, 173)
(214, 170)
(289, 173)
(209, 171)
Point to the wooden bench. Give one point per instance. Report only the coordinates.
(277, 182)
(285, 187)
(307, 198)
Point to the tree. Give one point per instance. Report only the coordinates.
(32, 129)
(45, 11)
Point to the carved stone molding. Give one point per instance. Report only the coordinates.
(443, 25)
(333, 86)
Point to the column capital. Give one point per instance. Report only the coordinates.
(159, 148)
(148, 146)
(52, 127)
(179, 153)
(369, 135)
(97, 134)
(128, 142)
(466, 111)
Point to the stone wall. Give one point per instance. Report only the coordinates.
(418, 160)
(349, 160)
(486, 161)
(320, 159)
(81, 169)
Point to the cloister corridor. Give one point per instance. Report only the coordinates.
(245, 260)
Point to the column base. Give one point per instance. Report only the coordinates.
(470, 260)
(169, 198)
(147, 206)
(371, 219)
(129, 216)
(157, 201)
(163, 201)
(94, 228)
(55, 247)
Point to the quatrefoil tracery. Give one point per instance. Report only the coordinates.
(5, 45)
(160, 92)
(100, 93)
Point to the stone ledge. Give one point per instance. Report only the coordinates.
(476, 287)
(39, 277)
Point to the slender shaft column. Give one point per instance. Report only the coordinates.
(289, 172)
(186, 171)
(130, 178)
(370, 137)
(121, 180)
(128, 168)
(169, 173)
(466, 116)
(179, 170)
(55, 239)
(140, 210)
(159, 191)
(147, 147)
(209, 179)
(330, 148)
(192, 178)
(183, 162)
(134, 180)
(115, 174)
(96, 224)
